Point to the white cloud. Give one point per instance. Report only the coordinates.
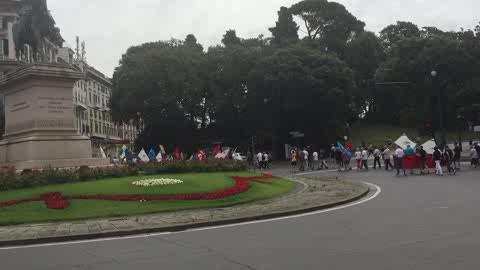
(109, 27)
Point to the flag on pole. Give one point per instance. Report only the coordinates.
(223, 155)
(404, 141)
(152, 155)
(218, 149)
(102, 153)
(345, 151)
(162, 150)
(429, 146)
(159, 157)
(201, 156)
(143, 156)
(124, 152)
(176, 153)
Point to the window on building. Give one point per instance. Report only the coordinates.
(4, 23)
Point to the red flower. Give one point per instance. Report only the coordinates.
(58, 201)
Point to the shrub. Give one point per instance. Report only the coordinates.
(10, 179)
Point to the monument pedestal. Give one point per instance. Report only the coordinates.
(39, 122)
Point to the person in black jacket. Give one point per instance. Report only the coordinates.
(449, 158)
(456, 157)
(422, 157)
(437, 158)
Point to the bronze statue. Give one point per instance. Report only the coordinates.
(35, 24)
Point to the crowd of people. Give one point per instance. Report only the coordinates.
(388, 157)
(308, 159)
(263, 161)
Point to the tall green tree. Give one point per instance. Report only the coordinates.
(328, 22)
(412, 60)
(160, 84)
(301, 89)
(230, 38)
(286, 29)
(364, 54)
(394, 33)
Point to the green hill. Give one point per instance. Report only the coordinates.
(379, 135)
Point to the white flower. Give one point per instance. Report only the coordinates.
(157, 182)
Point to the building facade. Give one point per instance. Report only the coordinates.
(91, 95)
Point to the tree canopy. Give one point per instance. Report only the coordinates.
(286, 29)
(329, 23)
(182, 94)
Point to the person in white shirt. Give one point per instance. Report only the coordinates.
(474, 155)
(307, 159)
(266, 161)
(260, 160)
(358, 157)
(399, 160)
(365, 159)
(315, 161)
(387, 156)
(377, 155)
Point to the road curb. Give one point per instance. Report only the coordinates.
(178, 228)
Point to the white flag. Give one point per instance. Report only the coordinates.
(223, 155)
(404, 141)
(159, 156)
(429, 147)
(102, 153)
(143, 156)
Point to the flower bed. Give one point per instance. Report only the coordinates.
(59, 201)
(157, 182)
(10, 179)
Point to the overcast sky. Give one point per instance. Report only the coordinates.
(109, 27)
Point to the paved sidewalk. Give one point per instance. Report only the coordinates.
(311, 194)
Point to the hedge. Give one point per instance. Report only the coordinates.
(11, 179)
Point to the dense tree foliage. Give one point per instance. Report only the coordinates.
(286, 29)
(328, 23)
(181, 94)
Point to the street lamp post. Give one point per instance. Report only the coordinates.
(434, 75)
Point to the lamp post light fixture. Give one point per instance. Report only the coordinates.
(434, 75)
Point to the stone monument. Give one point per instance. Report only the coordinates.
(39, 122)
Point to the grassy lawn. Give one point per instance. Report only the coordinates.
(79, 209)
(377, 135)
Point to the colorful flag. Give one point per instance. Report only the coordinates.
(152, 155)
(124, 153)
(143, 156)
(218, 149)
(404, 141)
(102, 153)
(223, 155)
(201, 156)
(345, 151)
(159, 157)
(176, 153)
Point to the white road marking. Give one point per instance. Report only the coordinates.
(377, 192)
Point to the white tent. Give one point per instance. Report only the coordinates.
(428, 146)
(143, 156)
(404, 141)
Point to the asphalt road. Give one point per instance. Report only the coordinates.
(415, 223)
